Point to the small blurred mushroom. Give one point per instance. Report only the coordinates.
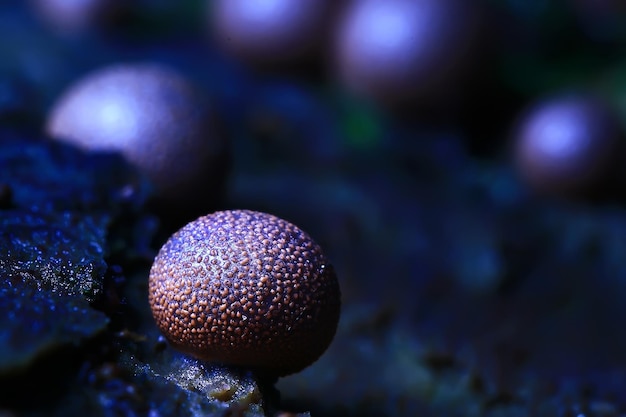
(71, 17)
(567, 145)
(272, 33)
(398, 51)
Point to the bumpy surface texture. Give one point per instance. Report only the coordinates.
(245, 288)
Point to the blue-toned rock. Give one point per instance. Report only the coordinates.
(51, 267)
(59, 253)
(37, 321)
(51, 176)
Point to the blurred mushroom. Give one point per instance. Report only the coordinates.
(397, 51)
(271, 33)
(567, 145)
(77, 16)
(157, 120)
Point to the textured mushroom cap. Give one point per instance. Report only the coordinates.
(271, 32)
(152, 116)
(396, 50)
(566, 145)
(245, 288)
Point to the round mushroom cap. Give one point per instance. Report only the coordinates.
(271, 32)
(245, 288)
(394, 51)
(566, 145)
(155, 118)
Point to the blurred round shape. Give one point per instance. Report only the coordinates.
(77, 16)
(271, 33)
(395, 51)
(157, 119)
(565, 146)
